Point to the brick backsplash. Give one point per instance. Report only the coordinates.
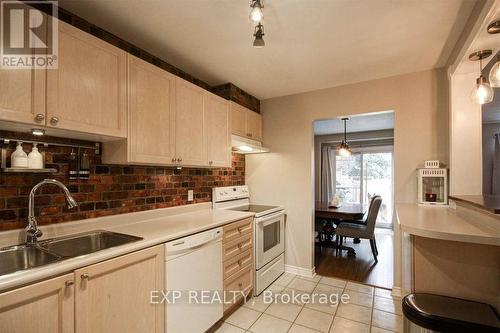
(111, 189)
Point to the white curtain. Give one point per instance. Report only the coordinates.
(495, 179)
(327, 173)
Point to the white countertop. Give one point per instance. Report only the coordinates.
(155, 226)
(445, 223)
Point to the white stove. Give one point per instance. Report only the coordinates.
(269, 232)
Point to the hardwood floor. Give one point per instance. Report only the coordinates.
(362, 267)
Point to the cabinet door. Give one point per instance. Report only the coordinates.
(151, 113)
(87, 92)
(114, 295)
(44, 307)
(22, 95)
(217, 118)
(190, 135)
(238, 120)
(254, 125)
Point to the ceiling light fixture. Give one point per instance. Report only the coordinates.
(482, 92)
(258, 34)
(344, 149)
(256, 14)
(494, 28)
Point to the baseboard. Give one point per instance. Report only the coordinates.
(306, 272)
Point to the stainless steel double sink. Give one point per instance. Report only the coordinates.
(26, 256)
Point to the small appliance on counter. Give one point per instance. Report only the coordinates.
(433, 184)
(269, 233)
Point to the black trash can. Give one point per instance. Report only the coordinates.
(435, 313)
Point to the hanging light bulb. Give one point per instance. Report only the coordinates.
(258, 34)
(482, 92)
(344, 149)
(256, 14)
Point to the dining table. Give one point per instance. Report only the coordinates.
(345, 211)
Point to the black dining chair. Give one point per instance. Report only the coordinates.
(362, 229)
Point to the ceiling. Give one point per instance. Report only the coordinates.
(359, 123)
(309, 44)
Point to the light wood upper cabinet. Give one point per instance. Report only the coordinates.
(217, 120)
(245, 122)
(114, 295)
(44, 307)
(87, 92)
(22, 95)
(151, 113)
(190, 133)
(254, 125)
(239, 119)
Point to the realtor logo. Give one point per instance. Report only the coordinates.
(28, 35)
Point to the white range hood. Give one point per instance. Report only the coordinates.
(243, 145)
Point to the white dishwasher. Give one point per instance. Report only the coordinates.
(194, 264)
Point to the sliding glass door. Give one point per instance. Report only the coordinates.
(362, 175)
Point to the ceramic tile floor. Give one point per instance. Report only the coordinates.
(369, 310)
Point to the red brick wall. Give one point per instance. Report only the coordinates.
(111, 189)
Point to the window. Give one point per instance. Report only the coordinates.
(362, 175)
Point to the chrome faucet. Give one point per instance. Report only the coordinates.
(32, 231)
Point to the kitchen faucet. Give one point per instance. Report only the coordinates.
(32, 231)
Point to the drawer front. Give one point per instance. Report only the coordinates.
(237, 263)
(237, 286)
(237, 246)
(237, 229)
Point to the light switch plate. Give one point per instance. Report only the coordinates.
(190, 195)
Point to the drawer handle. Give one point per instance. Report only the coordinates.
(240, 229)
(239, 246)
(239, 262)
(240, 284)
(84, 276)
(69, 283)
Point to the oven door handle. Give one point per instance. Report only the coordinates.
(266, 218)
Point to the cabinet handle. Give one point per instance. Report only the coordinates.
(240, 284)
(39, 118)
(84, 276)
(250, 134)
(210, 162)
(239, 262)
(179, 159)
(69, 283)
(173, 159)
(54, 121)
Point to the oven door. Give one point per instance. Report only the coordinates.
(269, 238)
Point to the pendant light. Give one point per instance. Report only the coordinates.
(344, 149)
(494, 28)
(256, 14)
(482, 92)
(258, 34)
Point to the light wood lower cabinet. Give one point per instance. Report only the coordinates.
(237, 245)
(111, 296)
(44, 307)
(114, 296)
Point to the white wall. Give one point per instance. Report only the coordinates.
(466, 166)
(285, 176)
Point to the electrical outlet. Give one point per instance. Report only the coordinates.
(190, 195)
